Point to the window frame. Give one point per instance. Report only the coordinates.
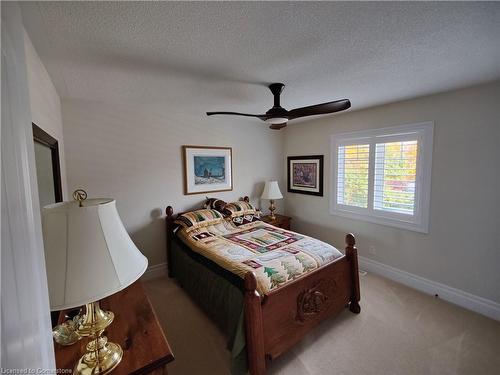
(424, 133)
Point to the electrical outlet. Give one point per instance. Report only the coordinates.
(372, 250)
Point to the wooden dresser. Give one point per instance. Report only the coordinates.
(135, 328)
(281, 221)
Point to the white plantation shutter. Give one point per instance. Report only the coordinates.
(395, 176)
(383, 175)
(352, 180)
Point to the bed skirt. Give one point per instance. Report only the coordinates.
(218, 293)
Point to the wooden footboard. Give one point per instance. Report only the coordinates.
(278, 320)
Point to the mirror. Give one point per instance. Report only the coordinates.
(48, 172)
(48, 175)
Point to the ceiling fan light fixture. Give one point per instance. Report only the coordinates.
(276, 120)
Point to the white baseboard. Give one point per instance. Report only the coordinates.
(158, 270)
(458, 297)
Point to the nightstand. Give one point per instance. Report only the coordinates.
(281, 221)
(135, 328)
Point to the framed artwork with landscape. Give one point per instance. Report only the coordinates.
(207, 169)
(305, 174)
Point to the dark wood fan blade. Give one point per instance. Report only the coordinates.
(262, 117)
(320, 109)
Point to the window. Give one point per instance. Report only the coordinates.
(383, 175)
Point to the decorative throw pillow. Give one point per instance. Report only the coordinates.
(215, 204)
(198, 218)
(238, 208)
(240, 213)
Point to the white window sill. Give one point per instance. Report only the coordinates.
(372, 218)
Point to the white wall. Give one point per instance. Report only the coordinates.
(45, 103)
(133, 154)
(462, 249)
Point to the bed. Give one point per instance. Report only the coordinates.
(261, 319)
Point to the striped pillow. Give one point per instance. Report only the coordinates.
(238, 209)
(199, 218)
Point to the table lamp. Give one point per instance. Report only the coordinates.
(271, 192)
(89, 256)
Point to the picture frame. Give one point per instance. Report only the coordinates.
(305, 174)
(207, 169)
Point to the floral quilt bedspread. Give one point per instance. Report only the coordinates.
(275, 255)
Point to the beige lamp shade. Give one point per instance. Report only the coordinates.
(88, 253)
(271, 191)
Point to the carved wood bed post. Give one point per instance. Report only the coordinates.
(170, 232)
(352, 254)
(254, 327)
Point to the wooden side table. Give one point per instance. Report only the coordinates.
(281, 221)
(135, 328)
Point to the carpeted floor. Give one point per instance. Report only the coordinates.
(399, 331)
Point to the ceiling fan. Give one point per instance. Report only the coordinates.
(278, 116)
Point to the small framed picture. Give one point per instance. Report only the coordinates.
(305, 174)
(207, 169)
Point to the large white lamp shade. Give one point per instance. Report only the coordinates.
(88, 253)
(271, 191)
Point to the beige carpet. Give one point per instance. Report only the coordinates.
(399, 331)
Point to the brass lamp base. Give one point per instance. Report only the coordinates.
(95, 319)
(102, 356)
(272, 208)
(100, 360)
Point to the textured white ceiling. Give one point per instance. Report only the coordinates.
(217, 56)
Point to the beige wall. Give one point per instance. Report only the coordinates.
(133, 154)
(462, 248)
(45, 103)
